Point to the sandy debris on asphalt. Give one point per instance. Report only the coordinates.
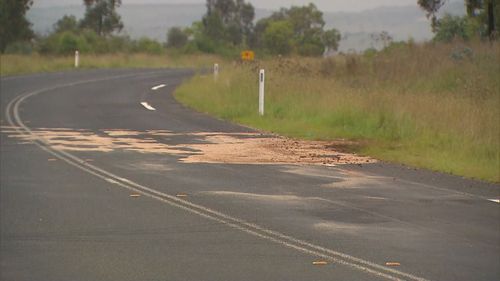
(199, 147)
(256, 148)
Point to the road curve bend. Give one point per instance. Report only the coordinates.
(104, 176)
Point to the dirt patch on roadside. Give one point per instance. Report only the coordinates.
(199, 147)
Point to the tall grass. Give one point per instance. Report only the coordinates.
(24, 64)
(432, 106)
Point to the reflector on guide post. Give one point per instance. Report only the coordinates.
(262, 77)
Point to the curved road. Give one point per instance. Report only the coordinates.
(93, 187)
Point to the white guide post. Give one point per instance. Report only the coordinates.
(262, 78)
(77, 59)
(216, 71)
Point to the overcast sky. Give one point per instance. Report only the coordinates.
(324, 5)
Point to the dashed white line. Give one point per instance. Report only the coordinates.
(147, 106)
(494, 200)
(158, 87)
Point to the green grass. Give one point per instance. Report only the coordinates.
(25, 64)
(414, 105)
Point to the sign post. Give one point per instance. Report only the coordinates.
(262, 77)
(77, 59)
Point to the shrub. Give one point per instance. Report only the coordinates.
(451, 27)
(63, 43)
(146, 45)
(277, 37)
(20, 47)
(176, 38)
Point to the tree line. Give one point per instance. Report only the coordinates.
(227, 27)
(482, 20)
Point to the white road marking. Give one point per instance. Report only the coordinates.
(494, 200)
(15, 120)
(111, 181)
(124, 180)
(158, 87)
(147, 106)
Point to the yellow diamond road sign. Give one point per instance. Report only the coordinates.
(247, 55)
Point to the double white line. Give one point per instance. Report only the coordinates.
(13, 118)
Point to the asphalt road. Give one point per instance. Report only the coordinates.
(133, 212)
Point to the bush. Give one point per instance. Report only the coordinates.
(176, 38)
(311, 49)
(146, 45)
(277, 37)
(451, 27)
(20, 47)
(370, 53)
(63, 43)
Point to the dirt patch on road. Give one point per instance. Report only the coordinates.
(255, 148)
(199, 147)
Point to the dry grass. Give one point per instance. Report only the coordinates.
(24, 64)
(433, 106)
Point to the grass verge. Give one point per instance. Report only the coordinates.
(430, 106)
(25, 64)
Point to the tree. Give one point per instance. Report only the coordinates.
(176, 38)
(451, 27)
(228, 21)
(13, 24)
(383, 38)
(472, 6)
(331, 39)
(66, 23)
(101, 16)
(306, 20)
(307, 25)
(277, 37)
(485, 12)
(431, 7)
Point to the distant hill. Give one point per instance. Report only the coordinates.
(153, 20)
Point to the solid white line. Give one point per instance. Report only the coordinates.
(147, 106)
(256, 230)
(158, 87)
(494, 200)
(111, 181)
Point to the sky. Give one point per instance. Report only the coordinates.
(324, 5)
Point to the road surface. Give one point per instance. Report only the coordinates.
(96, 185)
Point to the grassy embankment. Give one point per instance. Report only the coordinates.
(25, 64)
(432, 106)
